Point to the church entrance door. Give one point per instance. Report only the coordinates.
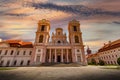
(58, 58)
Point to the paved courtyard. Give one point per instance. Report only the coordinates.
(60, 73)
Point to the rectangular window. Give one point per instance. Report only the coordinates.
(6, 52)
(21, 63)
(28, 62)
(39, 50)
(78, 50)
(30, 53)
(1, 63)
(24, 53)
(15, 62)
(8, 63)
(18, 53)
(12, 52)
(0, 52)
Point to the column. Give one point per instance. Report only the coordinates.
(62, 56)
(50, 56)
(76, 57)
(44, 56)
(41, 57)
(81, 56)
(67, 56)
(73, 55)
(55, 56)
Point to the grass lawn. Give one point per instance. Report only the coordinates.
(111, 67)
(108, 66)
(6, 68)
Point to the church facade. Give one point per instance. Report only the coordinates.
(44, 50)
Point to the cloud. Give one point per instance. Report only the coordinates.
(99, 19)
(7, 10)
(104, 31)
(14, 14)
(7, 1)
(94, 39)
(5, 35)
(75, 9)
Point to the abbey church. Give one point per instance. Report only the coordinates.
(58, 50)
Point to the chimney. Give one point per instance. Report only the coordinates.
(104, 44)
(109, 42)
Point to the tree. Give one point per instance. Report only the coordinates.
(118, 60)
(93, 62)
(101, 62)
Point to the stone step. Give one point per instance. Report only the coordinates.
(60, 65)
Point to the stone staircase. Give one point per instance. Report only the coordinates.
(60, 65)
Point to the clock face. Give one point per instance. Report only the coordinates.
(43, 20)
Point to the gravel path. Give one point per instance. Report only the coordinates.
(60, 73)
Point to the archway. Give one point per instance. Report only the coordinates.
(58, 58)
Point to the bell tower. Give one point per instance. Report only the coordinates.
(75, 33)
(42, 34)
(41, 39)
(75, 39)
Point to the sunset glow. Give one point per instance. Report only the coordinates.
(100, 19)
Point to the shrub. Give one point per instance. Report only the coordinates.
(93, 62)
(118, 60)
(101, 62)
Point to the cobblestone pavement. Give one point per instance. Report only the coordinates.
(60, 73)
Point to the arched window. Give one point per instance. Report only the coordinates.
(76, 39)
(59, 42)
(58, 33)
(41, 39)
(42, 27)
(74, 28)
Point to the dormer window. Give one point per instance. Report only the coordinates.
(42, 27)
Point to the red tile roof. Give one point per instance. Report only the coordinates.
(92, 55)
(19, 43)
(111, 45)
(13, 41)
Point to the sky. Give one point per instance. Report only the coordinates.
(99, 19)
